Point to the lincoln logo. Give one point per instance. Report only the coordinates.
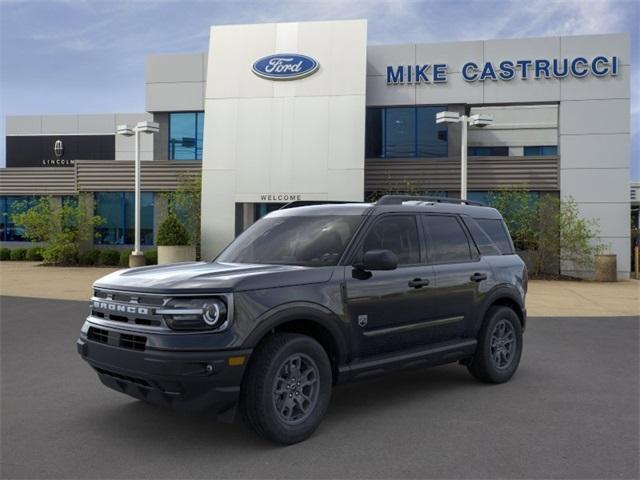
(285, 66)
(116, 307)
(58, 148)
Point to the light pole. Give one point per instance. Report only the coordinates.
(478, 120)
(136, 259)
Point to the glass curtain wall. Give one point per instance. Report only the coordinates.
(117, 212)
(185, 135)
(405, 132)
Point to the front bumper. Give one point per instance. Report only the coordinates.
(194, 381)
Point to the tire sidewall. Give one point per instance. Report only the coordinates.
(272, 422)
(497, 314)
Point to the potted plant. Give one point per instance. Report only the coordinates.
(173, 242)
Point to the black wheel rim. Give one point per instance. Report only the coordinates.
(296, 389)
(503, 344)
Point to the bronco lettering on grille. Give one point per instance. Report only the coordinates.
(118, 307)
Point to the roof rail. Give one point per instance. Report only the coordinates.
(306, 203)
(399, 199)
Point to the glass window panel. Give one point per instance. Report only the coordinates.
(482, 197)
(497, 232)
(109, 206)
(146, 218)
(398, 234)
(185, 135)
(374, 133)
(432, 138)
(541, 150)
(400, 132)
(447, 240)
(199, 134)
(9, 206)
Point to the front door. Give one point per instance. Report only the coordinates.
(389, 309)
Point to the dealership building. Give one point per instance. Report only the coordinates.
(274, 113)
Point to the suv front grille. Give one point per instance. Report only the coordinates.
(122, 340)
(129, 308)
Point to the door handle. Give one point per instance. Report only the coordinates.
(418, 283)
(478, 277)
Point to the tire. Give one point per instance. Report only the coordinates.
(272, 403)
(498, 362)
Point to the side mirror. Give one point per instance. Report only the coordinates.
(378, 260)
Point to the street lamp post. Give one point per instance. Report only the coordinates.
(136, 259)
(478, 120)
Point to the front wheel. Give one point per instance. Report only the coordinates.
(287, 388)
(499, 346)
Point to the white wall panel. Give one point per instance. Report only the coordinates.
(596, 185)
(379, 56)
(592, 88)
(279, 137)
(55, 124)
(453, 54)
(595, 151)
(594, 117)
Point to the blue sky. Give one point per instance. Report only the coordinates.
(84, 56)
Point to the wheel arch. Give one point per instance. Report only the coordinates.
(507, 297)
(313, 320)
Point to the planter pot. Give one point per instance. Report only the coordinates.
(176, 253)
(606, 268)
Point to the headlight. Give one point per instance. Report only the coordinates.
(195, 314)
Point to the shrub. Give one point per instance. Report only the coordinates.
(124, 258)
(89, 257)
(172, 232)
(62, 228)
(5, 254)
(151, 257)
(18, 253)
(109, 257)
(61, 253)
(34, 254)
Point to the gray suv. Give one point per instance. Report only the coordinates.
(309, 297)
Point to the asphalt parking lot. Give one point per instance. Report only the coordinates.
(570, 412)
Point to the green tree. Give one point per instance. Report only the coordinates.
(62, 227)
(185, 204)
(550, 229)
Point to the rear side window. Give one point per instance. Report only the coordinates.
(484, 243)
(447, 241)
(398, 234)
(497, 232)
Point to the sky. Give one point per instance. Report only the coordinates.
(87, 56)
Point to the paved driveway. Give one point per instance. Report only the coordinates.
(570, 412)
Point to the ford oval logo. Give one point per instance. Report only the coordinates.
(285, 66)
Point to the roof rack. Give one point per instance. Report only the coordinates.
(399, 199)
(306, 203)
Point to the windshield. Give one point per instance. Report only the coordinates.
(313, 241)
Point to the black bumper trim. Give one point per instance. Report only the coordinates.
(188, 381)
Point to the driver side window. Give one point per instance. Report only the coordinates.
(398, 234)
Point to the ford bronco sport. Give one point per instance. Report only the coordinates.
(309, 297)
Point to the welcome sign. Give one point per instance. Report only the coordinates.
(507, 70)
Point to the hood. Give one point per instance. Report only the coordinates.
(193, 277)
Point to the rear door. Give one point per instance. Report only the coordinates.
(461, 275)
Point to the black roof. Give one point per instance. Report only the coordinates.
(394, 203)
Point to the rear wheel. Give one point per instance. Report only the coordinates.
(287, 388)
(499, 346)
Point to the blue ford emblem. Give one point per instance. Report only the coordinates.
(284, 66)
